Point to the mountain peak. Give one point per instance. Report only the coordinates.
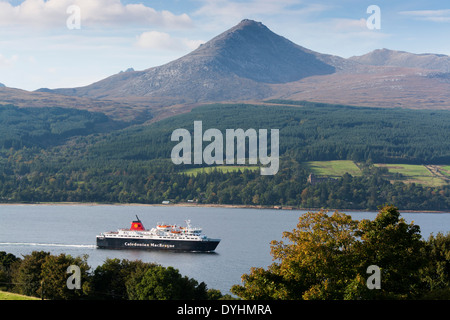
(248, 22)
(251, 50)
(239, 63)
(243, 29)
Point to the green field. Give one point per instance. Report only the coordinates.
(410, 170)
(333, 169)
(12, 296)
(433, 176)
(415, 174)
(445, 170)
(195, 171)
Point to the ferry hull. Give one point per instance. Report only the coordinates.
(207, 245)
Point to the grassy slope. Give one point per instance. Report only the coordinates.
(415, 173)
(333, 168)
(12, 296)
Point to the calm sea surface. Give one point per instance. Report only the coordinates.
(245, 234)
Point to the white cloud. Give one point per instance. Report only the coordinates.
(349, 25)
(164, 41)
(8, 62)
(429, 15)
(243, 9)
(94, 13)
(224, 11)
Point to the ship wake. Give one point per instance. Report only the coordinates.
(36, 244)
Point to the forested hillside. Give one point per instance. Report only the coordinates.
(44, 127)
(309, 131)
(133, 165)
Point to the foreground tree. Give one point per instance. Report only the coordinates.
(27, 274)
(54, 277)
(44, 275)
(7, 261)
(161, 283)
(436, 273)
(396, 247)
(327, 256)
(41, 274)
(109, 279)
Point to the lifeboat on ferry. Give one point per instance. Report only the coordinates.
(164, 226)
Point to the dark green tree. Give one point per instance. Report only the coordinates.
(54, 277)
(109, 279)
(27, 275)
(436, 273)
(396, 247)
(7, 260)
(161, 283)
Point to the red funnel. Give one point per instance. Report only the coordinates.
(137, 225)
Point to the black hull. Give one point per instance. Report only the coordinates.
(150, 244)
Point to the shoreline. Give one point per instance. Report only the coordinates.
(207, 205)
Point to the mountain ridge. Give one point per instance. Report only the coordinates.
(395, 58)
(249, 63)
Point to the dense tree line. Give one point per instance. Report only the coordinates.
(310, 131)
(124, 181)
(46, 127)
(43, 275)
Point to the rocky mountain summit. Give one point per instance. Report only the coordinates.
(240, 63)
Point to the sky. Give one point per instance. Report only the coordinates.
(72, 43)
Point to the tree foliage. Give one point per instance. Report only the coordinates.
(160, 283)
(43, 275)
(327, 257)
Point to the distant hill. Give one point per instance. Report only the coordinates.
(44, 97)
(44, 127)
(386, 57)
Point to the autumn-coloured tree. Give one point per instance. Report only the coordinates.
(327, 256)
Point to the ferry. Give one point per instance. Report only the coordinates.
(162, 237)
